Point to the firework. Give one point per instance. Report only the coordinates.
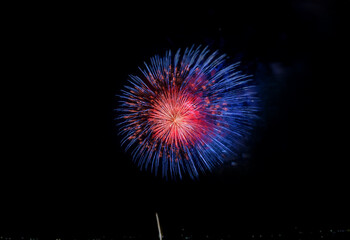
(187, 113)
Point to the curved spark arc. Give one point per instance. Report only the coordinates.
(186, 113)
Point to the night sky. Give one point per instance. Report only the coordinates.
(66, 172)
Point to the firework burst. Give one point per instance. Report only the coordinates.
(186, 113)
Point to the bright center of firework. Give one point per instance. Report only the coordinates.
(175, 118)
(177, 121)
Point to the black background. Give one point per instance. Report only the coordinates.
(66, 172)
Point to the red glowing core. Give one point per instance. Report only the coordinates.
(176, 118)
